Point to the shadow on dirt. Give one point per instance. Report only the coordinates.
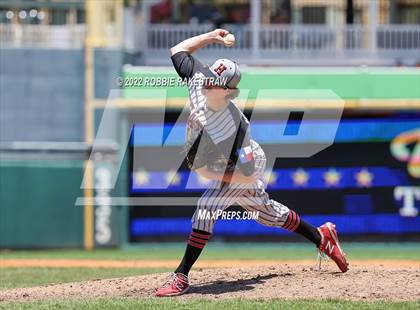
(221, 286)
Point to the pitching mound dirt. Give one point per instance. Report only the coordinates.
(280, 281)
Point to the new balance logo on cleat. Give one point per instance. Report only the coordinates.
(330, 247)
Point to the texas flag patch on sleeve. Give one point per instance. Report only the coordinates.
(245, 154)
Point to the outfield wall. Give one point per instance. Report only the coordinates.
(37, 204)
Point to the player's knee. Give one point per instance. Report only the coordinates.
(202, 224)
(272, 222)
(268, 223)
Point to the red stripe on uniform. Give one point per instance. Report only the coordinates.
(296, 223)
(293, 221)
(197, 235)
(198, 240)
(196, 245)
(290, 220)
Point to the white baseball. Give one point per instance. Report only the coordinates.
(229, 39)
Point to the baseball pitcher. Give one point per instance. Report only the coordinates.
(219, 147)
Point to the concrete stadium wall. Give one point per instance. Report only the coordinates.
(41, 95)
(42, 92)
(108, 66)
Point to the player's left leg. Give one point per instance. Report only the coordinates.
(272, 213)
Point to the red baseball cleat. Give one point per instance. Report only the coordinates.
(331, 247)
(177, 284)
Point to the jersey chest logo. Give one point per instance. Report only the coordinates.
(219, 70)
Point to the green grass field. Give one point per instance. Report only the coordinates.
(26, 277)
(173, 303)
(219, 251)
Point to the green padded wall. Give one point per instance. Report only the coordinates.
(37, 204)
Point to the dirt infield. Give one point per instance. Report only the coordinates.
(282, 280)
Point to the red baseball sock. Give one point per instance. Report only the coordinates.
(295, 224)
(196, 242)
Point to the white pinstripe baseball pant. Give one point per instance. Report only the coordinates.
(251, 197)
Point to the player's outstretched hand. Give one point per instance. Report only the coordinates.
(220, 37)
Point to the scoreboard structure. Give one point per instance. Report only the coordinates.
(362, 182)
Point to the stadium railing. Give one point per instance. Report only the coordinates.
(296, 37)
(274, 41)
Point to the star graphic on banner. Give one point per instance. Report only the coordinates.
(173, 178)
(141, 177)
(300, 177)
(332, 177)
(364, 178)
(270, 177)
(202, 180)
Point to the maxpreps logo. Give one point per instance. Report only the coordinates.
(406, 147)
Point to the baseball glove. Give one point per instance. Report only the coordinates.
(203, 152)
